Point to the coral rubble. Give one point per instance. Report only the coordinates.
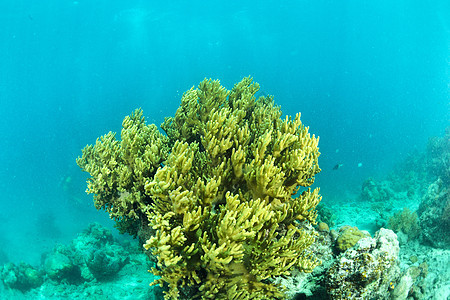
(214, 199)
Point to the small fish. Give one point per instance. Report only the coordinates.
(337, 166)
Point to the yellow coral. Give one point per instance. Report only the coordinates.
(247, 166)
(220, 202)
(119, 169)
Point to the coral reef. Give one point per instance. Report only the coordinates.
(301, 285)
(93, 255)
(325, 214)
(438, 154)
(434, 215)
(323, 227)
(60, 267)
(22, 277)
(401, 188)
(96, 253)
(369, 270)
(93, 266)
(104, 264)
(381, 197)
(218, 191)
(410, 175)
(348, 237)
(375, 191)
(407, 222)
(434, 209)
(409, 282)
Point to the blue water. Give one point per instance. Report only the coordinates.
(371, 78)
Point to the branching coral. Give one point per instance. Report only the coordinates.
(221, 204)
(119, 169)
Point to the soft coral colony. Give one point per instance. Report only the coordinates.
(221, 199)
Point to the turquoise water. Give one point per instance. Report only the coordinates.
(371, 78)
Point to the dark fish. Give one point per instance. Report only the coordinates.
(337, 166)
